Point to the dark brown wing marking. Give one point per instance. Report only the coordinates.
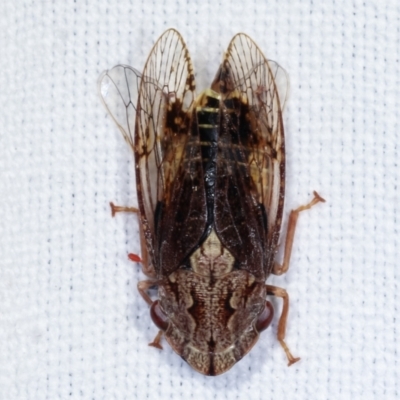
(251, 160)
(167, 151)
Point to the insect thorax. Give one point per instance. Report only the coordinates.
(211, 309)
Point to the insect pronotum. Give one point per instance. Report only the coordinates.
(210, 175)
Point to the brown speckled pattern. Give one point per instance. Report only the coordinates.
(212, 309)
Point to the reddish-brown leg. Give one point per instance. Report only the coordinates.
(115, 209)
(156, 342)
(147, 268)
(143, 287)
(280, 269)
(279, 292)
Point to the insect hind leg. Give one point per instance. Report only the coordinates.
(282, 293)
(280, 269)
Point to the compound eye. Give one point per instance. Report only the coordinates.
(265, 318)
(158, 316)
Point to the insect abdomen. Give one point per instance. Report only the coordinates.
(208, 128)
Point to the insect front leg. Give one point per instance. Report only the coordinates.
(282, 293)
(280, 269)
(115, 209)
(157, 341)
(156, 314)
(148, 270)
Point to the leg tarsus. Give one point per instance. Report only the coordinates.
(279, 269)
(291, 359)
(156, 342)
(317, 199)
(115, 209)
(282, 293)
(134, 257)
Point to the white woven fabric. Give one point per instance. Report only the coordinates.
(72, 324)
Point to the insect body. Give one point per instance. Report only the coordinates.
(210, 179)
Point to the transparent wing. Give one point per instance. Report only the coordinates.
(252, 111)
(118, 89)
(282, 82)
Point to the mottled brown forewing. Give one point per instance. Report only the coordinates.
(167, 151)
(251, 158)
